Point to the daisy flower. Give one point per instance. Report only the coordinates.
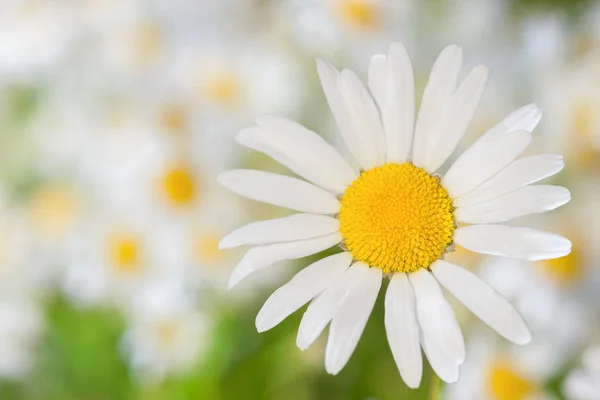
(397, 217)
(584, 383)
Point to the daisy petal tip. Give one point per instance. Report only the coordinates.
(301, 343)
(234, 279)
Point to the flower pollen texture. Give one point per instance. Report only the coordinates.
(397, 217)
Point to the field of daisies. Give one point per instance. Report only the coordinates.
(127, 132)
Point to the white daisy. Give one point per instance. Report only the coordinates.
(166, 333)
(397, 217)
(21, 328)
(584, 383)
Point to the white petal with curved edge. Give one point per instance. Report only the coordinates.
(524, 119)
(308, 145)
(518, 174)
(323, 308)
(464, 103)
(350, 319)
(436, 103)
(397, 104)
(462, 177)
(487, 304)
(377, 77)
(301, 150)
(402, 329)
(582, 385)
(279, 190)
(439, 328)
(364, 117)
(330, 79)
(443, 364)
(512, 242)
(303, 287)
(532, 199)
(261, 257)
(286, 229)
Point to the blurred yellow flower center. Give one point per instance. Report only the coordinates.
(583, 120)
(166, 332)
(223, 88)
(207, 248)
(173, 119)
(125, 252)
(148, 42)
(566, 270)
(53, 209)
(359, 13)
(178, 185)
(506, 384)
(397, 217)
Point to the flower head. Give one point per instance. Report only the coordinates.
(397, 217)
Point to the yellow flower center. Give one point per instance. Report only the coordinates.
(207, 248)
(359, 13)
(506, 384)
(125, 252)
(222, 88)
(178, 186)
(173, 119)
(53, 209)
(397, 217)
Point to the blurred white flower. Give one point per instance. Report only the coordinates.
(558, 322)
(356, 26)
(36, 35)
(570, 97)
(494, 373)
(21, 327)
(166, 334)
(111, 255)
(584, 383)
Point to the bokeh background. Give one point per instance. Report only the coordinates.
(116, 116)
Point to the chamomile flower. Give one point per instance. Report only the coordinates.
(584, 383)
(166, 333)
(397, 217)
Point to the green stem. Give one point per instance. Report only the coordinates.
(435, 387)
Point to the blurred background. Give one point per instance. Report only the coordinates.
(116, 116)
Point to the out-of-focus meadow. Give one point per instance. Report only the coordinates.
(116, 116)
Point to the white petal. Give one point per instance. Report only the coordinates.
(513, 242)
(483, 301)
(518, 174)
(377, 77)
(287, 229)
(475, 167)
(299, 149)
(322, 309)
(397, 104)
(279, 190)
(436, 103)
(364, 117)
(439, 328)
(533, 199)
(464, 102)
(304, 286)
(402, 329)
(261, 257)
(364, 153)
(444, 365)
(524, 119)
(350, 319)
